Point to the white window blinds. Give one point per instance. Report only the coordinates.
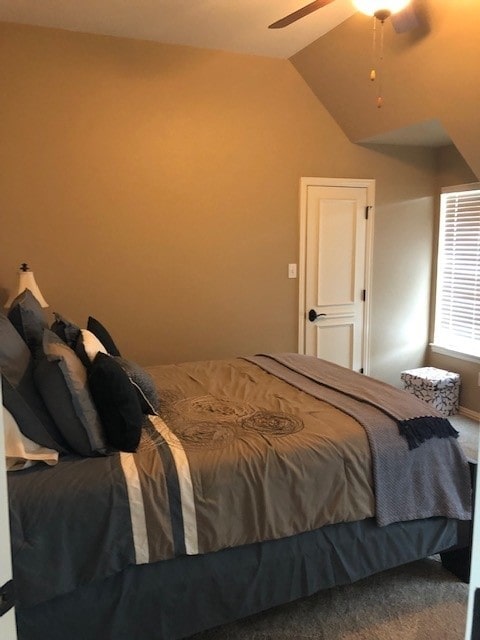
(457, 313)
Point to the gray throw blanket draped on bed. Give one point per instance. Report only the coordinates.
(409, 484)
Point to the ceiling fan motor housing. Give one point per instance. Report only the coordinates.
(382, 14)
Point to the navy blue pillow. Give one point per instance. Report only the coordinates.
(103, 335)
(117, 403)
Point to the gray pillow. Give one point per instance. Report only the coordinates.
(28, 318)
(51, 383)
(66, 330)
(16, 366)
(15, 356)
(28, 423)
(150, 399)
(74, 393)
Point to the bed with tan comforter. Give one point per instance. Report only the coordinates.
(244, 456)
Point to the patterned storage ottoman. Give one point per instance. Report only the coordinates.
(438, 387)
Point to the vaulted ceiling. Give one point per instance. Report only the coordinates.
(428, 79)
(231, 25)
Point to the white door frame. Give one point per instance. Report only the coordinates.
(336, 182)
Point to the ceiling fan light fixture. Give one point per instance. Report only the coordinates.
(381, 9)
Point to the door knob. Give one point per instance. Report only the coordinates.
(313, 315)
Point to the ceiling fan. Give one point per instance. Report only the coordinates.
(401, 12)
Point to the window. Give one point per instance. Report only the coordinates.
(457, 310)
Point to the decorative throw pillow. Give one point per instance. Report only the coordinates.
(103, 335)
(147, 390)
(20, 451)
(15, 357)
(66, 330)
(117, 403)
(16, 365)
(51, 383)
(87, 347)
(29, 423)
(75, 395)
(28, 318)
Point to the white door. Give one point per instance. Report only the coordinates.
(336, 246)
(7, 621)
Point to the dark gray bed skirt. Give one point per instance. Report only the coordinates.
(177, 598)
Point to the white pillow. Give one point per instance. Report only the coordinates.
(20, 451)
(91, 344)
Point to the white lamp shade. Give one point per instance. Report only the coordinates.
(26, 280)
(370, 7)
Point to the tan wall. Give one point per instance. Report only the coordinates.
(424, 76)
(156, 188)
(402, 268)
(453, 170)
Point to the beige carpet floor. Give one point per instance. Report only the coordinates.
(469, 433)
(419, 601)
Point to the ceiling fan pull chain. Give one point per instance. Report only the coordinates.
(380, 68)
(373, 73)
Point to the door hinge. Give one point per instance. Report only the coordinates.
(363, 295)
(6, 597)
(367, 210)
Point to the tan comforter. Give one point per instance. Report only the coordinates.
(265, 460)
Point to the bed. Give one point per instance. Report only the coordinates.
(245, 484)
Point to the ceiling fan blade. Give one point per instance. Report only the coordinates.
(405, 20)
(300, 13)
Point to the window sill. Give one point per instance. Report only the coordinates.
(445, 351)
